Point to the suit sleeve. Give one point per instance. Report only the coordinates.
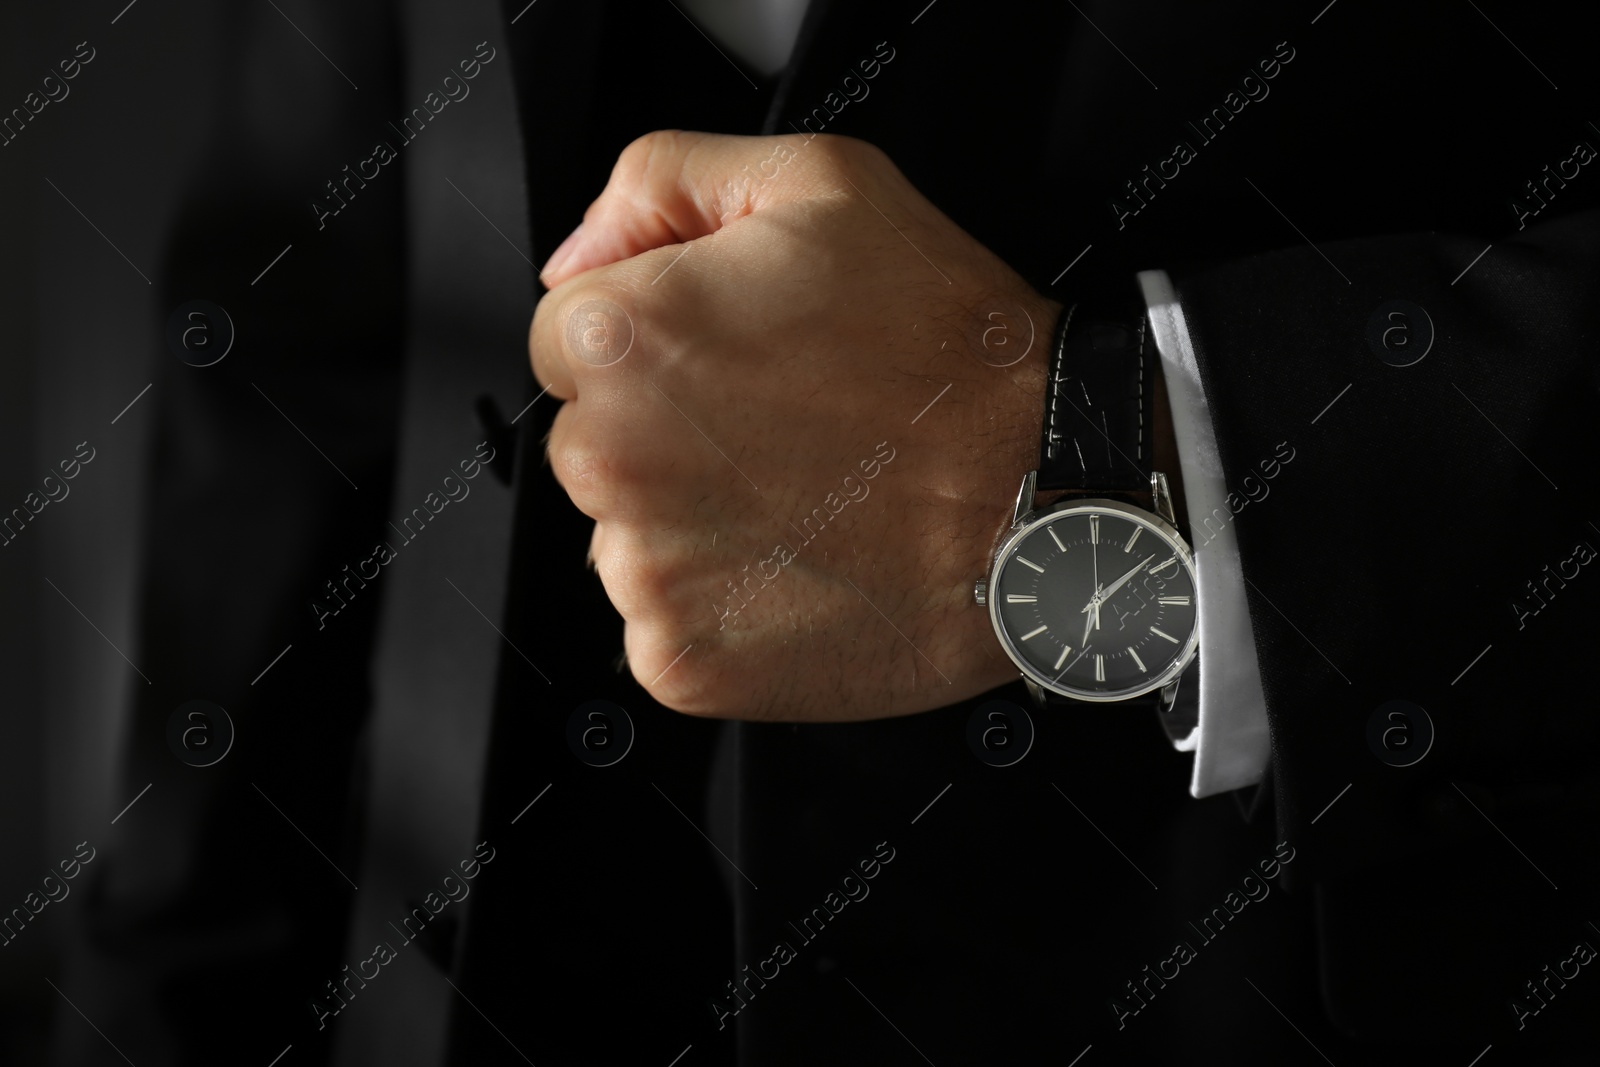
(1419, 589)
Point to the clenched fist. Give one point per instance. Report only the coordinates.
(799, 402)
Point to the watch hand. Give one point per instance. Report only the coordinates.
(1083, 652)
(1089, 617)
(1120, 582)
(1094, 556)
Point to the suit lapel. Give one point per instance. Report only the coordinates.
(469, 294)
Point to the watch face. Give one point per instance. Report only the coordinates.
(1095, 600)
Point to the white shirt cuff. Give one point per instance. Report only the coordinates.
(1231, 743)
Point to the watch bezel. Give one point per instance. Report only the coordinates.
(1052, 513)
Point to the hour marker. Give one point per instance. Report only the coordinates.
(1065, 652)
(1137, 530)
(1030, 563)
(1099, 667)
(1164, 563)
(1094, 529)
(1168, 636)
(1173, 600)
(1137, 660)
(1053, 537)
(1018, 598)
(1034, 633)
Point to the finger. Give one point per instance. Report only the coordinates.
(621, 461)
(651, 579)
(550, 369)
(590, 464)
(669, 187)
(673, 186)
(662, 665)
(574, 332)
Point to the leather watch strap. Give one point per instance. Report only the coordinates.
(1098, 403)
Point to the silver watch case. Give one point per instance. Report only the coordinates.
(1026, 519)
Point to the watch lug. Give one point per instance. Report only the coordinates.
(1025, 497)
(1036, 691)
(1163, 497)
(1169, 694)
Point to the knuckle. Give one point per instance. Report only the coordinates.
(833, 152)
(638, 150)
(632, 159)
(847, 155)
(539, 332)
(647, 586)
(665, 665)
(633, 163)
(595, 468)
(596, 328)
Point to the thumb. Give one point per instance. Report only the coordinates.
(669, 187)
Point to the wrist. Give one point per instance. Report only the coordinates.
(1103, 427)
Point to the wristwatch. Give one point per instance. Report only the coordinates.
(1093, 595)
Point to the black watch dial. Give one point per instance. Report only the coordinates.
(1096, 601)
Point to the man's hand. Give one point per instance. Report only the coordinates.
(799, 402)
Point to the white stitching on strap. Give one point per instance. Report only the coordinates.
(1055, 384)
(1143, 322)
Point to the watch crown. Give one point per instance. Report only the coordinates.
(980, 591)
